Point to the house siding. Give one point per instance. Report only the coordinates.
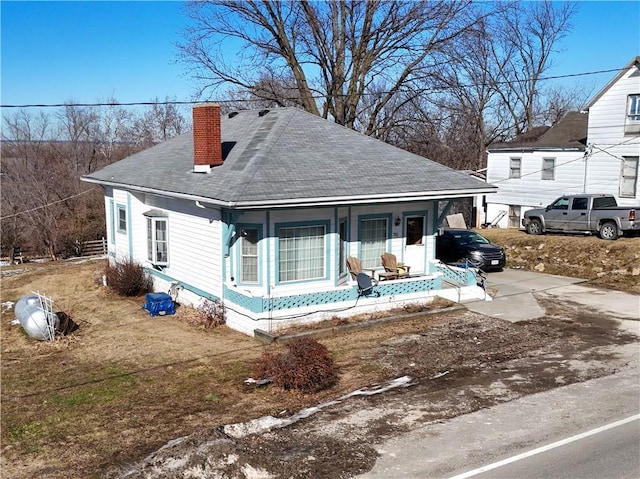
(530, 191)
(596, 170)
(606, 131)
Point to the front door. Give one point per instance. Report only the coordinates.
(414, 250)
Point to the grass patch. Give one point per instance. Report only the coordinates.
(212, 398)
(115, 385)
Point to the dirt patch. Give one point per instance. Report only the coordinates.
(457, 364)
(95, 403)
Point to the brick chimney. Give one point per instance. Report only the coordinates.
(207, 140)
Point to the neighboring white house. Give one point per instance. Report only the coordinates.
(260, 209)
(593, 151)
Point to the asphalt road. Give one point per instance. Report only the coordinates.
(469, 442)
(606, 452)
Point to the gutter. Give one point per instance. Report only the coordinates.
(307, 202)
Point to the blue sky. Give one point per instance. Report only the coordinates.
(53, 52)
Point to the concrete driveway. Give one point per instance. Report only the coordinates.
(514, 300)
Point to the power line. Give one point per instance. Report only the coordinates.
(586, 155)
(316, 97)
(48, 204)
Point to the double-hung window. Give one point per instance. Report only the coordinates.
(548, 169)
(373, 241)
(249, 255)
(157, 238)
(301, 253)
(515, 165)
(122, 219)
(629, 180)
(632, 123)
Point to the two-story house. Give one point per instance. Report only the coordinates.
(592, 151)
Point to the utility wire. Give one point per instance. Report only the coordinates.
(48, 204)
(581, 157)
(315, 97)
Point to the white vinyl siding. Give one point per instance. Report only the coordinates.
(373, 241)
(301, 253)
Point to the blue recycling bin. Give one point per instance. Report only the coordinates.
(159, 304)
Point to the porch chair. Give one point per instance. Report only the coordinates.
(391, 265)
(355, 267)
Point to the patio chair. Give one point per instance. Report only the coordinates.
(391, 265)
(355, 267)
(366, 284)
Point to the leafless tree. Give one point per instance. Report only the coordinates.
(334, 53)
(523, 45)
(161, 120)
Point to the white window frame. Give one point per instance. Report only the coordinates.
(373, 235)
(632, 118)
(121, 218)
(629, 176)
(515, 167)
(302, 252)
(249, 264)
(111, 229)
(154, 243)
(548, 172)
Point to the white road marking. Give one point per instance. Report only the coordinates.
(548, 447)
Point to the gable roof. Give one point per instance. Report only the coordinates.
(288, 157)
(570, 133)
(635, 62)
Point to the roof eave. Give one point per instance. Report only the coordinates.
(306, 202)
(531, 149)
(366, 199)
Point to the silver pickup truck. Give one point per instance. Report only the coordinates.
(584, 214)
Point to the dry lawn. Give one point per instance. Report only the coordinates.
(125, 383)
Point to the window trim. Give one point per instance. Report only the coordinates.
(636, 160)
(152, 218)
(546, 173)
(387, 248)
(512, 160)
(111, 229)
(325, 224)
(260, 236)
(121, 208)
(632, 118)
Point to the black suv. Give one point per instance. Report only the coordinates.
(460, 245)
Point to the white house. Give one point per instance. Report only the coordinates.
(260, 209)
(593, 151)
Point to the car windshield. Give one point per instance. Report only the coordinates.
(470, 237)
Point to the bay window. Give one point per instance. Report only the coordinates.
(157, 239)
(249, 255)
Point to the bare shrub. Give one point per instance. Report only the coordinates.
(211, 313)
(305, 365)
(128, 278)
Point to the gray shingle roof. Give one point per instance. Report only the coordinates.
(288, 156)
(569, 133)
